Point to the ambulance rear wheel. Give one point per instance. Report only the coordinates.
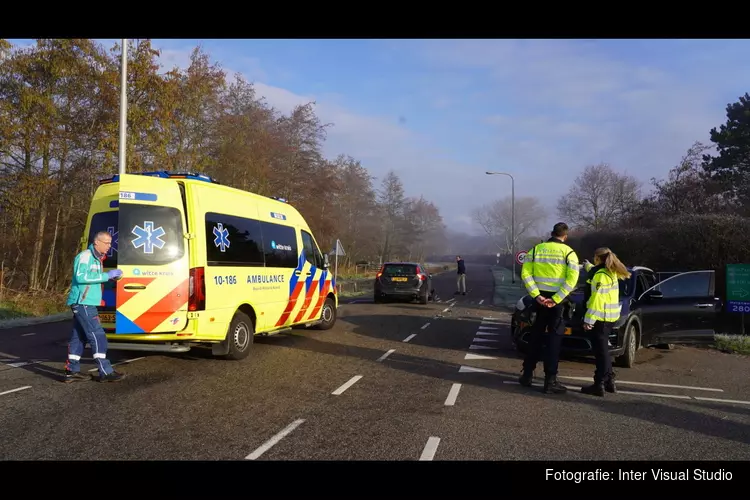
(240, 336)
(327, 315)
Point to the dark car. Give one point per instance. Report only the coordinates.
(403, 280)
(679, 309)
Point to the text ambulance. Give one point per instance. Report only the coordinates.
(205, 263)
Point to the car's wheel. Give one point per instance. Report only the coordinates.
(627, 359)
(327, 315)
(240, 336)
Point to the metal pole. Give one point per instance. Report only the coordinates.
(512, 219)
(123, 103)
(513, 224)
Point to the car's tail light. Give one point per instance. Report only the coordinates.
(197, 290)
(380, 273)
(421, 276)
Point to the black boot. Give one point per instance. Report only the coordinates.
(595, 389)
(609, 383)
(551, 385)
(526, 378)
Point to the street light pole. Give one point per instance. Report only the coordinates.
(123, 104)
(512, 219)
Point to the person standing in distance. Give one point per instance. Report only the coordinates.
(85, 294)
(549, 273)
(461, 278)
(602, 299)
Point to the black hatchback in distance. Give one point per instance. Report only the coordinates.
(403, 280)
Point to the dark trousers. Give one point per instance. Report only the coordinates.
(600, 343)
(548, 326)
(87, 328)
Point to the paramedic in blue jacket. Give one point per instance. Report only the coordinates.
(85, 294)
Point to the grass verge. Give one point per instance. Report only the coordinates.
(736, 344)
(16, 305)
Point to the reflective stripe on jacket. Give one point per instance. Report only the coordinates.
(604, 303)
(551, 266)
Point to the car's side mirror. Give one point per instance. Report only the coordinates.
(326, 262)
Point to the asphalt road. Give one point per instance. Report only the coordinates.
(388, 382)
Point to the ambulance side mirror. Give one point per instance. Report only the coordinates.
(326, 263)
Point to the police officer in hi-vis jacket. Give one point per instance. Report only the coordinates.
(550, 274)
(602, 305)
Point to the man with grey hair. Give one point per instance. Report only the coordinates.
(84, 297)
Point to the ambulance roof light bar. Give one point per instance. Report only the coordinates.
(165, 175)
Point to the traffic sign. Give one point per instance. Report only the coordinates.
(521, 256)
(738, 288)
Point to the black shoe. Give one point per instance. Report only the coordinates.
(595, 389)
(526, 379)
(609, 384)
(464, 293)
(551, 385)
(75, 377)
(112, 377)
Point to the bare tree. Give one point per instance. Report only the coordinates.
(599, 198)
(393, 203)
(495, 218)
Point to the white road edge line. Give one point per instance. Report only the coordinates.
(390, 351)
(425, 326)
(28, 334)
(15, 390)
(446, 309)
(275, 439)
(452, 395)
(430, 448)
(21, 364)
(716, 400)
(347, 385)
(121, 363)
(480, 302)
(652, 384)
(407, 339)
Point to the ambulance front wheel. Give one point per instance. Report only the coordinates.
(240, 337)
(327, 315)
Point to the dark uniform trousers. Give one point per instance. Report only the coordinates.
(600, 344)
(548, 326)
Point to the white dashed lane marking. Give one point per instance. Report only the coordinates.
(275, 439)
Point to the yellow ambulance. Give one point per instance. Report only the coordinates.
(205, 263)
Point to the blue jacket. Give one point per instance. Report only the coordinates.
(88, 277)
(461, 267)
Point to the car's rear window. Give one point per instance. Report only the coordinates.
(399, 269)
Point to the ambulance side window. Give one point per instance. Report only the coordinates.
(233, 241)
(279, 245)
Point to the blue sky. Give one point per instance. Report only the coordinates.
(442, 112)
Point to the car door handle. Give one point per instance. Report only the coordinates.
(134, 287)
(297, 273)
(308, 273)
(703, 305)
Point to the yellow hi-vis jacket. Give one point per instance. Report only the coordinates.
(551, 266)
(604, 303)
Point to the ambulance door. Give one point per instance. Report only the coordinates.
(152, 294)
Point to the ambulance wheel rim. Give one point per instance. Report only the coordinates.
(241, 336)
(327, 313)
